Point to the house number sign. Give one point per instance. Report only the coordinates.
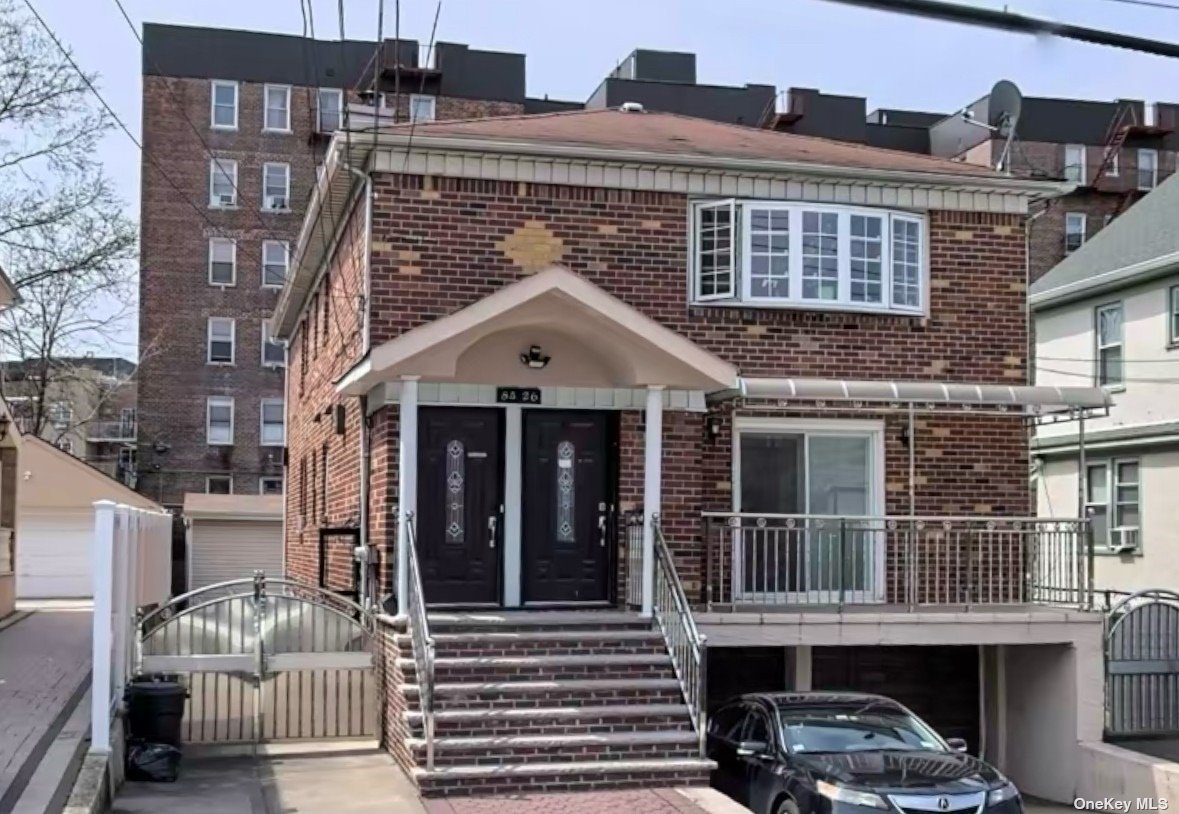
(517, 395)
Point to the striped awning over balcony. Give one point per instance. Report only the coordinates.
(1035, 400)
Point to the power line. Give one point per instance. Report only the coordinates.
(1124, 359)
(413, 120)
(1147, 3)
(1139, 379)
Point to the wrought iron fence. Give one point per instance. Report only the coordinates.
(1142, 665)
(685, 643)
(806, 560)
(423, 642)
(633, 523)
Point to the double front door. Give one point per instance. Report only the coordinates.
(463, 528)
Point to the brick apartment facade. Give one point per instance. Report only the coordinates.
(529, 252)
(177, 295)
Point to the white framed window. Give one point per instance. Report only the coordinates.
(1148, 169)
(1173, 316)
(779, 254)
(272, 417)
(1109, 345)
(219, 485)
(219, 420)
(817, 470)
(275, 259)
(1112, 503)
(422, 108)
(222, 183)
(223, 104)
(274, 352)
(1074, 230)
(276, 187)
(271, 485)
(221, 340)
(1112, 169)
(127, 417)
(1074, 163)
(61, 413)
(277, 112)
(222, 261)
(329, 110)
(66, 445)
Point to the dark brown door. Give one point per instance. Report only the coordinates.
(566, 507)
(460, 491)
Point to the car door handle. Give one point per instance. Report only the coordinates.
(492, 522)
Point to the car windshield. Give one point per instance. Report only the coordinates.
(847, 729)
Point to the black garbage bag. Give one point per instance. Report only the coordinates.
(154, 762)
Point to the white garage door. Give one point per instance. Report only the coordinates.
(232, 549)
(53, 553)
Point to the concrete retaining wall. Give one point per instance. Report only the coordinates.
(1112, 771)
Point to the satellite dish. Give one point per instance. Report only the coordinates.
(1004, 104)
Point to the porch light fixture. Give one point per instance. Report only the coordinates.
(712, 427)
(535, 358)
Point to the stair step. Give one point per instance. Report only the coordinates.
(570, 660)
(533, 687)
(573, 712)
(537, 668)
(498, 636)
(522, 694)
(585, 739)
(566, 776)
(441, 621)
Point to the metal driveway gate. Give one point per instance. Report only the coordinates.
(1142, 665)
(266, 659)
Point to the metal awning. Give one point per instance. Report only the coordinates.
(1033, 400)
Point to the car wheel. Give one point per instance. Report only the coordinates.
(786, 806)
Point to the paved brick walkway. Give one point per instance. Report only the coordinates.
(640, 801)
(43, 661)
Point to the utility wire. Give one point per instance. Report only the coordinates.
(1147, 3)
(1078, 375)
(413, 123)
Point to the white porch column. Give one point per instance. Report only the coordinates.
(407, 483)
(652, 489)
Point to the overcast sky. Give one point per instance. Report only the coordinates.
(893, 60)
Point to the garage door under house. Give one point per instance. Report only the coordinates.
(53, 558)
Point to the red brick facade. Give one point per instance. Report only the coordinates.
(176, 299)
(437, 247)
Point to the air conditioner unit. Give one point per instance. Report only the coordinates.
(276, 202)
(1123, 539)
(225, 200)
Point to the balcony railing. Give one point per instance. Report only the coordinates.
(117, 430)
(810, 560)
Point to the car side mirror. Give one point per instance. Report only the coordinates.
(752, 748)
(957, 744)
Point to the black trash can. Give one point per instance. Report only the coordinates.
(155, 708)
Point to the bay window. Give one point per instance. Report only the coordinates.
(777, 254)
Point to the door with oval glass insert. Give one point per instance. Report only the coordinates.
(566, 507)
(460, 492)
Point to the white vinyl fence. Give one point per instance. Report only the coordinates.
(132, 569)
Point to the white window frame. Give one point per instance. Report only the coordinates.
(1154, 175)
(286, 248)
(213, 86)
(815, 427)
(286, 192)
(1075, 218)
(266, 89)
(422, 98)
(282, 483)
(209, 484)
(1099, 346)
(219, 401)
(740, 294)
(232, 260)
(319, 108)
(262, 405)
(209, 341)
(1114, 170)
(66, 445)
(230, 165)
(1112, 467)
(266, 340)
(1173, 316)
(1081, 168)
(61, 413)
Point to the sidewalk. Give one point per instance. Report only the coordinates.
(44, 663)
(638, 801)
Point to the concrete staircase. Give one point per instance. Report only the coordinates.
(551, 701)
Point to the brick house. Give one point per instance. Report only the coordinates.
(609, 365)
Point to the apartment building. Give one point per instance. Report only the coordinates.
(619, 365)
(234, 128)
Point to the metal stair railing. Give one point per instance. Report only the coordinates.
(423, 642)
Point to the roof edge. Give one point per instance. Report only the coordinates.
(1105, 281)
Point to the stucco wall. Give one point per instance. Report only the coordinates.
(1111, 771)
(1156, 564)
(7, 594)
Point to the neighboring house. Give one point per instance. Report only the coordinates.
(230, 537)
(55, 520)
(594, 346)
(1109, 316)
(10, 443)
(85, 405)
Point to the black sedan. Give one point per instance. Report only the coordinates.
(845, 753)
